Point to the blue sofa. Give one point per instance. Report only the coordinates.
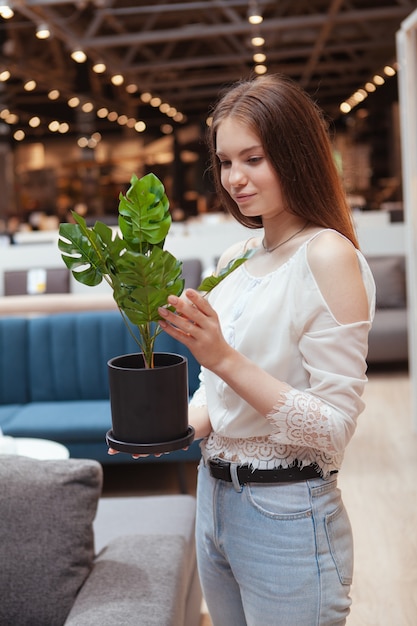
(54, 381)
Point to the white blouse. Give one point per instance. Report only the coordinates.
(282, 322)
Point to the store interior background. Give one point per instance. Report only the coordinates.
(165, 65)
(71, 138)
(185, 52)
(43, 181)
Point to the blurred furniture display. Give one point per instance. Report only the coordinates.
(54, 380)
(34, 448)
(36, 281)
(192, 271)
(388, 339)
(54, 300)
(71, 557)
(49, 303)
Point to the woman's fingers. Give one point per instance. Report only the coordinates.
(195, 323)
(112, 451)
(190, 313)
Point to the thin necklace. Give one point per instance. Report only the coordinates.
(269, 250)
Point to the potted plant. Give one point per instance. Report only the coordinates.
(148, 390)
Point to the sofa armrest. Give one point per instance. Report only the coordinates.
(136, 580)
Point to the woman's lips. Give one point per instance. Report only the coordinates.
(244, 197)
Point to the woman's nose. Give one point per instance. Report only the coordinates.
(236, 175)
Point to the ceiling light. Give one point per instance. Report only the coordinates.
(260, 69)
(257, 41)
(19, 135)
(140, 126)
(345, 107)
(35, 121)
(117, 79)
(42, 31)
(54, 94)
(131, 88)
(30, 85)
(167, 129)
(146, 96)
(389, 70)
(102, 113)
(99, 67)
(87, 107)
(79, 56)
(4, 75)
(155, 101)
(378, 80)
(254, 13)
(370, 87)
(73, 102)
(259, 57)
(6, 12)
(359, 96)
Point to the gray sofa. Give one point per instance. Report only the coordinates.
(69, 556)
(388, 339)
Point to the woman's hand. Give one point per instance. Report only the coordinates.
(112, 452)
(196, 325)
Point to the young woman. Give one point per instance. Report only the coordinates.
(282, 343)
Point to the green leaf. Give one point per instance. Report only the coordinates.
(146, 283)
(211, 282)
(81, 247)
(144, 217)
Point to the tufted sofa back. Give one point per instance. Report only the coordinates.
(64, 356)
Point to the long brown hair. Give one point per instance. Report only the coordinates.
(294, 136)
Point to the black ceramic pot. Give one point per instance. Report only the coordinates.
(149, 406)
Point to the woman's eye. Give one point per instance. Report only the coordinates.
(254, 160)
(224, 163)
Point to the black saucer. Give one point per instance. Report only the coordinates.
(150, 448)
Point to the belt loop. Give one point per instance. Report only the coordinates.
(235, 479)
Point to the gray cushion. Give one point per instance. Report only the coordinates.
(46, 536)
(129, 515)
(389, 276)
(388, 338)
(138, 580)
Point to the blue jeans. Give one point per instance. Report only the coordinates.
(278, 554)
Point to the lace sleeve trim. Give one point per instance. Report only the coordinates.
(264, 453)
(302, 419)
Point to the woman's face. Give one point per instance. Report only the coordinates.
(246, 173)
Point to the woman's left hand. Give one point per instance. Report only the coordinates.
(195, 323)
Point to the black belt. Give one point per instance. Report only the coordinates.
(221, 469)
